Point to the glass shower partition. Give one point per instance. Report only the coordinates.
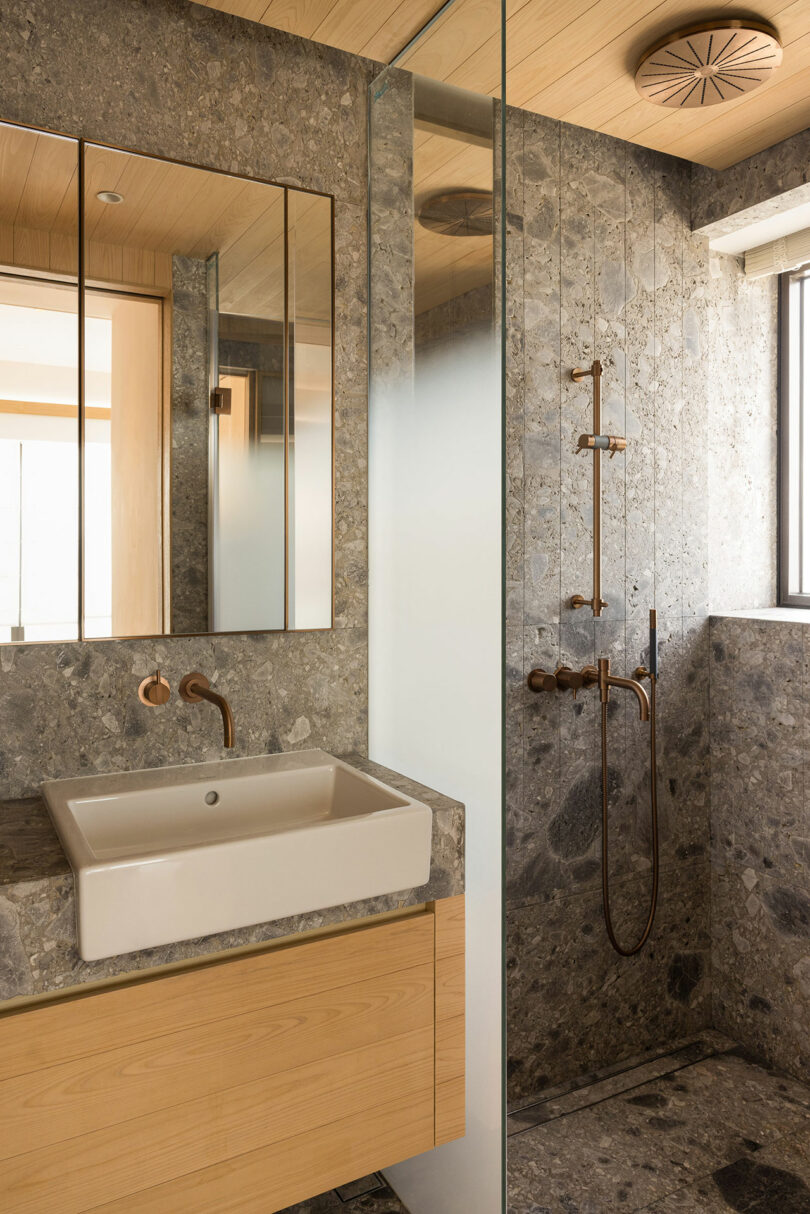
(436, 507)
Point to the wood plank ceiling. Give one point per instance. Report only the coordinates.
(572, 60)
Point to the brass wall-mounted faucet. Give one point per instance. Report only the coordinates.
(566, 679)
(195, 687)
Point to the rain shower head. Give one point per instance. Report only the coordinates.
(458, 213)
(709, 64)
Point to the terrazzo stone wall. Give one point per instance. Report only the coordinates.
(190, 419)
(601, 262)
(760, 707)
(728, 199)
(176, 79)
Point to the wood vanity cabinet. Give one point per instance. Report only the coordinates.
(245, 1084)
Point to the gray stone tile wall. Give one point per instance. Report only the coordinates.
(601, 263)
(761, 837)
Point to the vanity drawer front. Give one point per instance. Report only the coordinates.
(242, 1085)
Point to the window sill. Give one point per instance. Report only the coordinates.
(776, 615)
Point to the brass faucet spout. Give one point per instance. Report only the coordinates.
(195, 687)
(608, 680)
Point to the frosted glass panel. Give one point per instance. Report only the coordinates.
(435, 523)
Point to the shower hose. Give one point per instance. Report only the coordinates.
(630, 952)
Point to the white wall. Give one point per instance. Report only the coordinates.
(435, 690)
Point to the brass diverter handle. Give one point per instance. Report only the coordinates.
(154, 690)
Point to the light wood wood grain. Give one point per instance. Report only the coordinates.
(75, 1028)
(87, 1094)
(86, 1171)
(44, 409)
(244, 1084)
(450, 987)
(450, 1114)
(167, 209)
(450, 1019)
(450, 1060)
(450, 927)
(265, 1181)
(136, 450)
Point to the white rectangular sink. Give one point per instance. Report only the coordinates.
(180, 852)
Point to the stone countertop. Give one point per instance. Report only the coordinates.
(38, 939)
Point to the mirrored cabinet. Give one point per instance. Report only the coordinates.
(166, 396)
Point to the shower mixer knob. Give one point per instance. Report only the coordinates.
(541, 680)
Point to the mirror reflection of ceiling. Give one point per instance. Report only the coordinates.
(573, 60)
(448, 266)
(167, 209)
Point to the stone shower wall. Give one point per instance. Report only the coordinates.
(204, 87)
(760, 708)
(602, 264)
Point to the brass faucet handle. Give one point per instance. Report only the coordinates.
(641, 672)
(541, 680)
(154, 690)
(570, 680)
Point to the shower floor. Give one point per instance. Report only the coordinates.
(698, 1129)
(371, 1195)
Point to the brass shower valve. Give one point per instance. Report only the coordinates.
(575, 680)
(563, 679)
(601, 442)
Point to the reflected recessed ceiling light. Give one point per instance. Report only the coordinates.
(109, 196)
(708, 64)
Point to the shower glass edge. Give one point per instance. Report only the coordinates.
(437, 406)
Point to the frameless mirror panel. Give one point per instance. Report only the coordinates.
(189, 503)
(39, 386)
(310, 420)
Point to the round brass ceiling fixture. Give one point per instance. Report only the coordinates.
(708, 64)
(458, 213)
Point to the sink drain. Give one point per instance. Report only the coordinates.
(211, 798)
